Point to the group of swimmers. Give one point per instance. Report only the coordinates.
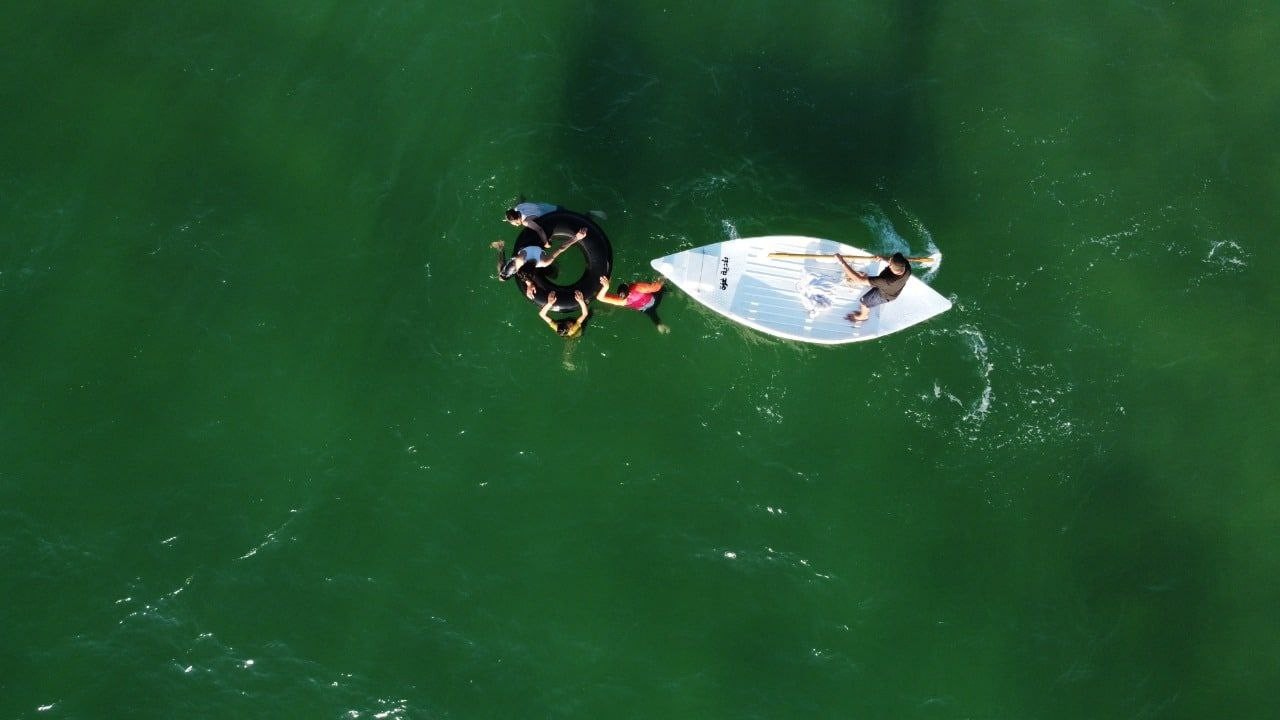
(640, 296)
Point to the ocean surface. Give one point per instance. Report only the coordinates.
(275, 444)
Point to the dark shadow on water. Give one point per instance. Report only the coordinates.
(639, 101)
(1145, 576)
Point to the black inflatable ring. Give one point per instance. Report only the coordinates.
(560, 227)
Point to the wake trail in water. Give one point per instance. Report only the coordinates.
(998, 400)
(890, 240)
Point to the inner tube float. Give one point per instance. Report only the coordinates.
(560, 227)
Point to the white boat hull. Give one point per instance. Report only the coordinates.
(739, 280)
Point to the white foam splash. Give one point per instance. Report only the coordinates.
(889, 240)
(978, 344)
(1159, 234)
(271, 537)
(1031, 409)
(932, 247)
(882, 229)
(1231, 253)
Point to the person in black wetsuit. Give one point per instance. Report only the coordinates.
(885, 287)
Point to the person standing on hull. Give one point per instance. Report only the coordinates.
(564, 327)
(530, 254)
(640, 296)
(524, 214)
(884, 287)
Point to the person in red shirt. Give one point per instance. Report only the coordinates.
(640, 296)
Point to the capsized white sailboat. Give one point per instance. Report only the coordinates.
(792, 287)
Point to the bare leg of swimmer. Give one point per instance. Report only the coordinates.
(858, 317)
(652, 314)
(566, 358)
(552, 258)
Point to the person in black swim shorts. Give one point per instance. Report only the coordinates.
(884, 287)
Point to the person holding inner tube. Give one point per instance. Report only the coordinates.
(524, 214)
(564, 327)
(530, 254)
(640, 296)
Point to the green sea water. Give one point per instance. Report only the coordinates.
(274, 443)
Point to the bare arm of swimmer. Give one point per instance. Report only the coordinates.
(548, 259)
(582, 305)
(604, 296)
(543, 313)
(542, 234)
(849, 272)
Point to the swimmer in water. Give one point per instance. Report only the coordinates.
(640, 296)
(530, 254)
(524, 214)
(564, 327)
